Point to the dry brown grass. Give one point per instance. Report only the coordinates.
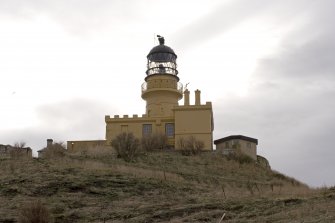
(95, 152)
(127, 146)
(190, 146)
(158, 187)
(148, 173)
(154, 142)
(35, 212)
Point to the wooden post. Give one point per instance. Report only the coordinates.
(224, 214)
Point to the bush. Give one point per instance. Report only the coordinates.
(20, 144)
(262, 161)
(126, 146)
(238, 156)
(190, 146)
(56, 150)
(154, 142)
(35, 212)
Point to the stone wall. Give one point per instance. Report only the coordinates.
(9, 151)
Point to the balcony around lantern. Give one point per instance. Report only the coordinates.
(178, 87)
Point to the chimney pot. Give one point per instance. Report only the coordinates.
(49, 142)
(197, 97)
(186, 97)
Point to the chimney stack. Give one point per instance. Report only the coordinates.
(186, 97)
(49, 143)
(197, 97)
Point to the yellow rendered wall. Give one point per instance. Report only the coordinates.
(162, 81)
(161, 104)
(115, 126)
(75, 146)
(161, 95)
(194, 121)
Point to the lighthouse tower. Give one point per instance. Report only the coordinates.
(164, 116)
(161, 89)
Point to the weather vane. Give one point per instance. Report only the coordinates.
(161, 40)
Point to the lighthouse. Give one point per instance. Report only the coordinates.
(161, 89)
(163, 116)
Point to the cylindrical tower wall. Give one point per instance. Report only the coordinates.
(162, 93)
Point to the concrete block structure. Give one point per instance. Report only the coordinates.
(77, 146)
(162, 91)
(8, 151)
(231, 144)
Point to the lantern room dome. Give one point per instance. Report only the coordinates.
(162, 53)
(161, 59)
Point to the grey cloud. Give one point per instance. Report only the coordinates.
(306, 53)
(76, 16)
(295, 131)
(231, 14)
(223, 18)
(77, 119)
(81, 117)
(290, 108)
(67, 8)
(307, 62)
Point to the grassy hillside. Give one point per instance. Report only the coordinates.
(95, 186)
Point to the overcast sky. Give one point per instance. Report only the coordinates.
(267, 66)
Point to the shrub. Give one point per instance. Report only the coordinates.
(190, 146)
(126, 146)
(238, 156)
(35, 212)
(56, 150)
(154, 142)
(20, 144)
(262, 161)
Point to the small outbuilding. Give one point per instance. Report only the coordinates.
(8, 151)
(52, 150)
(232, 144)
(42, 151)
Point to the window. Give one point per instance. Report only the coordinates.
(227, 144)
(169, 130)
(248, 144)
(146, 130)
(235, 144)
